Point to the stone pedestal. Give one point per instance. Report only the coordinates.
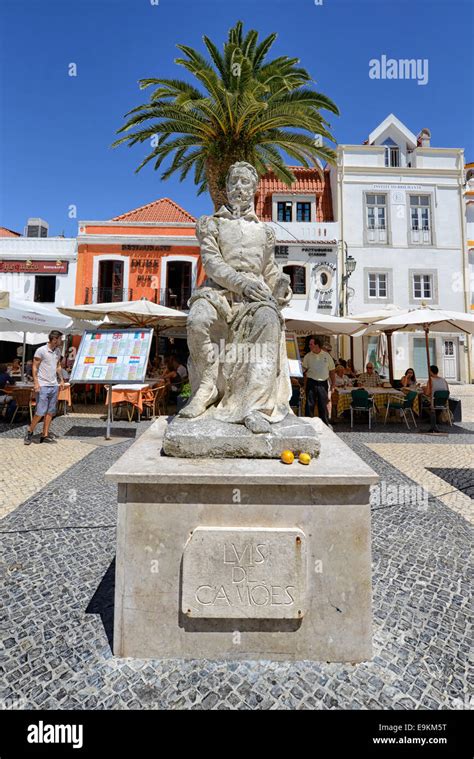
(206, 437)
(244, 558)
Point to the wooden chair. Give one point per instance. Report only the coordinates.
(158, 401)
(25, 400)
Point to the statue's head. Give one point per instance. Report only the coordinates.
(241, 183)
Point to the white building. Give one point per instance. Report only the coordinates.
(400, 205)
(37, 267)
(469, 198)
(307, 236)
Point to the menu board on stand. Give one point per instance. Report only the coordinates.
(112, 356)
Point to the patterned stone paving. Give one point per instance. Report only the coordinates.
(58, 547)
(420, 461)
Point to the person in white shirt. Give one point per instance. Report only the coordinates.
(47, 379)
(341, 379)
(435, 383)
(319, 371)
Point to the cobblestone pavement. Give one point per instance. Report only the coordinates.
(422, 462)
(34, 466)
(59, 545)
(466, 395)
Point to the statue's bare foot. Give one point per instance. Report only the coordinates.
(255, 422)
(201, 401)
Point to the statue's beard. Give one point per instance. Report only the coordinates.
(240, 206)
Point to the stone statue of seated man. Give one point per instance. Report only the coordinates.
(238, 363)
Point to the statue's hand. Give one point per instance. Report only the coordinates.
(282, 290)
(257, 291)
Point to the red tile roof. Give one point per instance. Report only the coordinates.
(4, 232)
(308, 182)
(162, 210)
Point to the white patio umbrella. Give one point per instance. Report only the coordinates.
(305, 323)
(426, 318)
(29, 322)
(28, 338)
(372, 318)
(377, 314)
(140, 313)
(27, 318)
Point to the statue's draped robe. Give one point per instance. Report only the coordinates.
(253, 368)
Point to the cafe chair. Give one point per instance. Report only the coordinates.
(397, 404)
(441, 403)
(25, 401)
(361, 401)
(155, 401)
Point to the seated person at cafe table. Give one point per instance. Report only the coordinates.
(6, 400)
(369, 378)
(409, 379)
(64, 370)
(47, 378)
(29, 370)
(175, 373)
(153, 368)
(341, 379)
(349, 370)
(434, 384)
(14, 369)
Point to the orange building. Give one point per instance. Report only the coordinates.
(149, 252)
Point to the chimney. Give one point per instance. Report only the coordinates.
(424, 138)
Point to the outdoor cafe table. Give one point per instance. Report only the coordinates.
(133, 394)
(64, 394)
(379, 394)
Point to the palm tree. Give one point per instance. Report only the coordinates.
(245, 108)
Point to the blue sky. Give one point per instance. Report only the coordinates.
(56, 130)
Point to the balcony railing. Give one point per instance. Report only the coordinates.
(170, 299)
(165, 297)
(95, 295)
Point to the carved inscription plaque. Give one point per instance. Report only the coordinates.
(244, 573)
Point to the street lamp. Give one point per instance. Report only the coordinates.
(349, 267)
(351, 264)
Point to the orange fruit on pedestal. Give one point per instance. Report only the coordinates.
(304, 458)
(287, 457)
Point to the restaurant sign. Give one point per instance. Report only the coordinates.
(34, 267)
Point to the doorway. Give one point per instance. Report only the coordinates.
(45, 288)
(419, 356)
(178, 284)
(110, 288)
(450, 363)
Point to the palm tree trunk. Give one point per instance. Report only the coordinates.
(216, 172)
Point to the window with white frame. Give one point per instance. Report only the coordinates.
(376, 217)
(392, 153)
(422, 286)
(377, 285)
(420, 218)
